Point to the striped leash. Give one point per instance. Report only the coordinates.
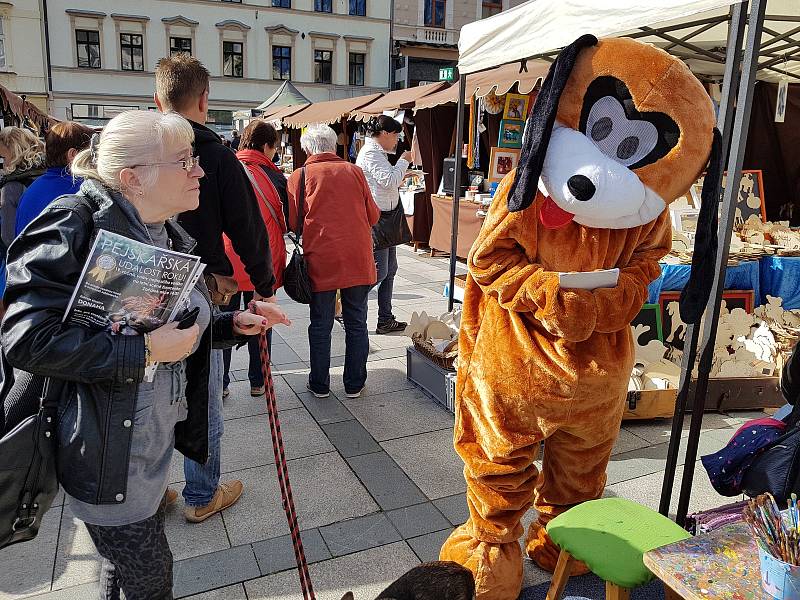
(283, 469)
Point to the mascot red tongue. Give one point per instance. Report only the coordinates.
(538, 362)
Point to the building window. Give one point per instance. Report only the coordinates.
(281, 62)
(323, 5)
(3, 63)
(180, 45)
(132, 51)
(323, 66)
(282, 3)
(434, 12)
(88, 43)
(357, 68)
(232, 59)
(491, 8)
(358, 8)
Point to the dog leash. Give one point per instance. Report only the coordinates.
(283, 469)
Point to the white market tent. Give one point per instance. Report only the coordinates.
(739, 39)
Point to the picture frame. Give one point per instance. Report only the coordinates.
(751, 199)
(502, 161)
(650, 316)
(510, 133)
(516, 107)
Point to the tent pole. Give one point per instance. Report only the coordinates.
(462, 90)
(741, 121)
(724, 118)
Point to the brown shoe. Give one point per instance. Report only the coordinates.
(170, 496)
(226, 495)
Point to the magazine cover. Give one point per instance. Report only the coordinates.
(130, 287)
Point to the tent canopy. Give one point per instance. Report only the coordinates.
(275, 115)
(326, 112)
(286, 95)
(500, 79)
(398, 99)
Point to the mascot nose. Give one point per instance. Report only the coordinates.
(581, 187)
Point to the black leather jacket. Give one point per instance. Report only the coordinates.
(93, 374)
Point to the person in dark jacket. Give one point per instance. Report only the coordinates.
(23, 161)
(227, 205)
(116, 431)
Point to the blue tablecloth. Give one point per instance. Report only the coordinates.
(780, 277)
(744, 276)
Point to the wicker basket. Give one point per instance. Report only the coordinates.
(445, 360)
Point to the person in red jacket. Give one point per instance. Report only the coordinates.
(257, 147)
(338, 216)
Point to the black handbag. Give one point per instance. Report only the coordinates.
(777, 469)
(296, 281)
(391, 229)
(28, 479)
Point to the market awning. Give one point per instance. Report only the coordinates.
(539, 26)
(326, 112)
(398, 99)
(286, 95)
(285, 111)
(500, 79)
(22, 109)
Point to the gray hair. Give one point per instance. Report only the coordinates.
(134, 137)
(318, 139)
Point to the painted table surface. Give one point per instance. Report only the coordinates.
(722, 565)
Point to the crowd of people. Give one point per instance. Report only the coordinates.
(163, 178)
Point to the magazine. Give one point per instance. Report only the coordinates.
(131, 288)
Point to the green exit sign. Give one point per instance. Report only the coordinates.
(446, 74)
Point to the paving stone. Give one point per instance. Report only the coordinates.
(77, 561)
(361, 533)
(350, 438)
(365, 573)
(399, 414)
(27, 568)
(430, 461)
(298, 367)
(283, 354)
(78, 592)
(386, 482)
(325, 410)
(413, 521)
(247, 442)
(241, 404)
(193, 539)
(427, 547)
(454, 508)
(277, 554)
(628, 441)
(658, 431)
(215, 570)
(383, 376)
(231, 592)
(325, 491)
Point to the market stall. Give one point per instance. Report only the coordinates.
(16, 110)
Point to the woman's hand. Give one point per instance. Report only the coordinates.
(170, 344)
(261, 317)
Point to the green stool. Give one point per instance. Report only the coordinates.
(610, 536)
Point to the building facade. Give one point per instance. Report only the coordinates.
(103, 55)
(22, 50)
(426, 33)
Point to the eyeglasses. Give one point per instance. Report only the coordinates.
(187, 164)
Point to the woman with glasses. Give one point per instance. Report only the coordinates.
(116, 432)
(384, 179)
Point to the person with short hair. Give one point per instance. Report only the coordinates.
(23, 161)
(384, 179)
(116, 432)
(227, 205)
(337, 244)
(62, 144)
(235, 140)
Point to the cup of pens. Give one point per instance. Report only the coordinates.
(777, 536)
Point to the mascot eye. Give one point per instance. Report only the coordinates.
(611, 120)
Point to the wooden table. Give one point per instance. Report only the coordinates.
(721, 565)
(469, 224)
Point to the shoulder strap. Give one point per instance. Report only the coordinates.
(301, 204)
(260, 194)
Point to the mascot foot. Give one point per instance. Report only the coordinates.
(497, 567)
(544, 552)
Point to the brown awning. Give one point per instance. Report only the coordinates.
(14, 104)
(500, 79)
(283, 111)
(398, 99)
(327, 112)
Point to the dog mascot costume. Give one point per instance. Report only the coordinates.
(620, 129)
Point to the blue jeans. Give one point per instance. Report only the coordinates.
(202, 480)
(386, 265)
(254, 373)
(354, 316)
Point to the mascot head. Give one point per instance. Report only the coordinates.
(619, 130)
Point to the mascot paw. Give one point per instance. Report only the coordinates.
(544, 552)
(497, 567)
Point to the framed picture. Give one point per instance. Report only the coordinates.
(750, 200)
(502, 161)
(650, 317)
(516, 107)
(511, 134)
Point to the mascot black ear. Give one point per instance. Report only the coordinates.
(540, 125)
(694, 296)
